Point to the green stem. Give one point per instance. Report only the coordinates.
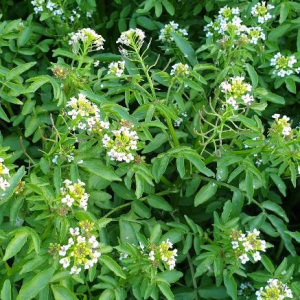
(172, 130)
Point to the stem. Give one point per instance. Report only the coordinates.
(172, 130)
(116, 209)
(193, 274)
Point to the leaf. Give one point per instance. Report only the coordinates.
(281, 228)
(32, 125)
(205, 193)
(169, 7)
(3, 115)
(279, 183)
(165, 289)
(272, 206)
(268, 264)
(16, 244)
(112, 265)
(264, 94)
(155, 234)
(62, 293)
(291, 85)
(196, 160)
(171, 276)
(35, 285)
(253, 75)
(284, 11)
(185, 48)
(278, 32)
(141, 209)
(19, 70)
(24, 36)
(159, 203)
(230, 284)
(99, 169)
(294, 235)
(6, 290)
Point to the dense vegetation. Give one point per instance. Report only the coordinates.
(149, 149)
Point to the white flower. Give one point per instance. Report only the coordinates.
(80, 239)
(244, 258)
(247, 246)
(132, 36)
(65, 262)
(276, 116)
(256, 256)
(74, 231)
(180, 70)
(75, 270)
(68, 200)
(151, 255)
(4, 184)
(235, 244)
(93, 241)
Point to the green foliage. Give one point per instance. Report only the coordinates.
(145, 159)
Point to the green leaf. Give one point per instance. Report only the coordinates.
(278, 32)
(112, 265)
(6, 290)
(291, 85)
(253, 75)
(171, 276)
(32, 126)
(294, 235)
(279, 183)
(249, 185)
(165, 289)
(272, 206)
(230, 284)
(35, 285)
(205, 193)
(99, 169)
(196, 160)
(16, 244)
(268, 264)
(19, 70)
(281, 228)
(107, 295)
(159, 203)
(141, 209)
(155, 234)
(62, 293)
(24, 36)
(185, 48)
(264, 94)
(284, 11)
(169, 7)
(3, 115)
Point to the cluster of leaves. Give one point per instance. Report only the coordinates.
(157, 157)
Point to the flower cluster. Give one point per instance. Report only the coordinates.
(255, 34)
(284, 65)
(178, 122)
(116, 68)
(261, 11)
(282, 125)
(86, 115)
(275, 290)
(74, 194)
(41, 5)
(89, 38)
(132, 38)
(122, 144)
(172, 27)
(228, 24)
(245, 245)
(59, 72)
(227, 20)
(164, 254)
(4, 174)
(246, 290)
(81, 250)
(180, 70)
(237, 91)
